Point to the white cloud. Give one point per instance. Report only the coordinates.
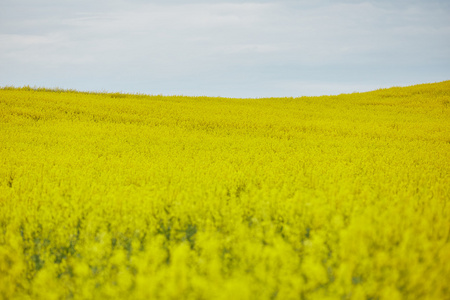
(128, 44)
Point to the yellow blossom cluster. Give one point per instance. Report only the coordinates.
(116, 196)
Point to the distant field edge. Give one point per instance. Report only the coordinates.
(137, 94)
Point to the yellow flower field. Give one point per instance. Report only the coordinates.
(114, 196)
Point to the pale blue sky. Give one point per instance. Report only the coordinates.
(224, 48)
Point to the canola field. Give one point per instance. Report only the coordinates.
(115, 196)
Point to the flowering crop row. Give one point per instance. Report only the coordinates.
(114, 196)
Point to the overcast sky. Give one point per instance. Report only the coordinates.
(224, 48)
